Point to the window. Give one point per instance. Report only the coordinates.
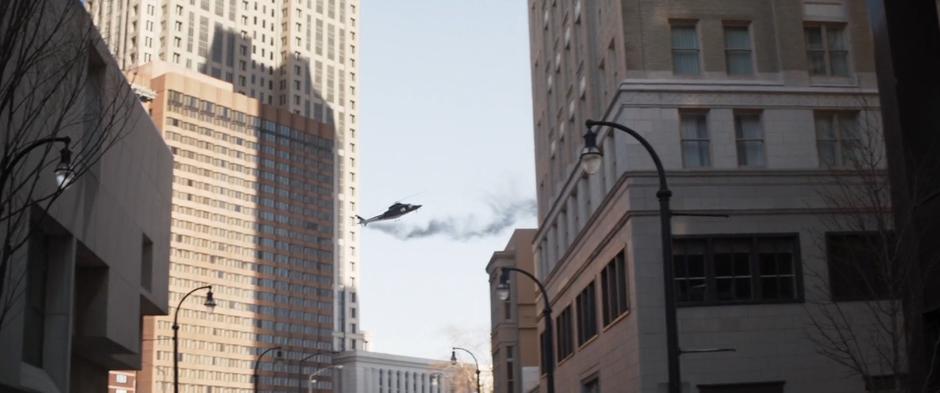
(685, 50)
(614, 288)
(736, 269)
(855, 261)
(507, 310)
(587, 313)
(738, 59)
(510, 370)
(592, 386)
(837, 139)
(749, 136)
(759, 387)
(696, 152)
(564, 333)
(120, 378)
(826, 50)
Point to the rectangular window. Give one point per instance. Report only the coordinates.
(738, 59)
(614, 289)
(510, 370)
(563, 330)
(685, 49)
(592, 386)
(827, 50)
(696, 152)
(749, 136)
(587, 313)
(856, 261)
(736, 269)
(507, 310)
(837, 138)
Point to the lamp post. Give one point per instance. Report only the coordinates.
(313, 377)
(300, 385)
(591, 159)
(502, 291)
(453, 361)
(63, 171)
(210, 302)
(277, 356)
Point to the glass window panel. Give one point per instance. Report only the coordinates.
(840, 63)
(751, 153)
(817, 62)
(724, 288)
(824, 129)
(737, 37)
(836, 38)
(739, 63)
(742, 288)
(685, 63)
(684, 37)
(814, 38)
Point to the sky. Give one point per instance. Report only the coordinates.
(445, 122)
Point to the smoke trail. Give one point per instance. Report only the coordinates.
(505, 214)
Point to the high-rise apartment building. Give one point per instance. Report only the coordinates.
(300, 55)
(252, 217)
(754, 107)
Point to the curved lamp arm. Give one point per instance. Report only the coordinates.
(663, 188)
(176, 313)
(506, 269)
(454, 357)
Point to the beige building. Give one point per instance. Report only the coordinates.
(300, 55)
(751, 106)
(252, 217)
(95, 262)
(514, 334)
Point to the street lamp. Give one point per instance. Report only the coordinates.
(453, 361)
(313, 377)
(300, 386)
(502, 290)
(591, 158)
(63, 171)
(277, 356)
(210, 303)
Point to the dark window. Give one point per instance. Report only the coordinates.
(592, 386)
(510, 370)
(759, 387)
(736, 269)
(856, 262)
(614, 288)
(37, 276)
(587, 314)
(564, 334)
(507, 309)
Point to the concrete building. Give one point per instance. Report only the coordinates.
(252, 217)
(750, 105)
(300, 55)
(514, 335)
(372, 372)
(95, 262)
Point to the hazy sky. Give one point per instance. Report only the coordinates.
(445, 122)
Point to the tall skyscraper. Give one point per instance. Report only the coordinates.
(300, 55)
(252, 217)
(757, 109)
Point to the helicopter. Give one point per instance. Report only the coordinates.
(394, 211)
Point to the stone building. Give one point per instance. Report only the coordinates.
(753, 107)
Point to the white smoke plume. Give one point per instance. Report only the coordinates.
(505, 213)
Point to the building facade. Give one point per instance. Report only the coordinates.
(299, 55)
(753, 107)
(93, 263)
(372, 372)
(513, 332)
(253, 218)
(122, 382)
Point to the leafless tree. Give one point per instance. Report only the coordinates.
(55, 82)
(858, 306)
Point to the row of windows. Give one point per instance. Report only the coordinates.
(614, 303)
(260, 282)
(325, 280)
(827, 50)
(214, 189)
(285, 327)
(838, 138)
(736, 269)
(249, 125)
